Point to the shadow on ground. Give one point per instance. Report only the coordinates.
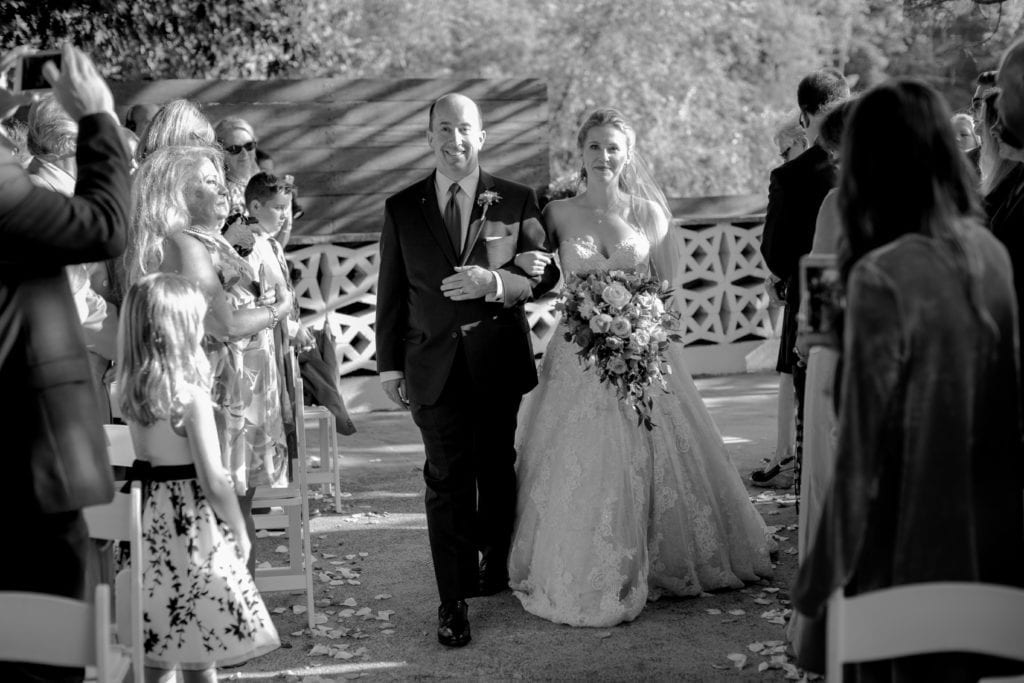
(379, 616)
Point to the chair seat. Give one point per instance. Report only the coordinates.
(328, 472)
(269, 496)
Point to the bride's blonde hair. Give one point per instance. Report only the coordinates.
(159, 347)
(648, 203)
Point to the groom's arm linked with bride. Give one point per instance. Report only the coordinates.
(453, 346)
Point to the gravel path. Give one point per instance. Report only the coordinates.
(383, 625)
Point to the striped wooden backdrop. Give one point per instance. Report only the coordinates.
(351, 143)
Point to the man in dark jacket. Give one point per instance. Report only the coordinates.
(453, 346)
(795, 192)
(56, 456)
(1008, 220)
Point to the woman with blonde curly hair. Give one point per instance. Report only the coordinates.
(179, 203)
(177, 123)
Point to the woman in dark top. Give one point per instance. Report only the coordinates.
(928, 481)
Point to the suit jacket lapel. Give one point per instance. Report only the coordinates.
(485, 183)
(434, 220)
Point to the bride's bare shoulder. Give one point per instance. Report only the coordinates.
(561, 215)
(560, 208)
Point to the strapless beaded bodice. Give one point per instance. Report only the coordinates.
(583, 253)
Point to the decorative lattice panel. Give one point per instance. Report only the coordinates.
(722, 293)
(338, 284)
(722, 297)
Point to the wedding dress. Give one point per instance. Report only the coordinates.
(610, 515)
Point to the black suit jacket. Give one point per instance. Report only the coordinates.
(1004, 206)
(56, 449)
(418, 329)
(795, 192)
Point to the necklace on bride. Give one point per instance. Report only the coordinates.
(615, 209)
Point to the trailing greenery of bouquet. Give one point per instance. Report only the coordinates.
(620, 321)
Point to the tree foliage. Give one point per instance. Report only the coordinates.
(705, 81)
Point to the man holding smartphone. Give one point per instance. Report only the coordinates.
(56, 455)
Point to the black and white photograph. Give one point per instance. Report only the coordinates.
(604, 340)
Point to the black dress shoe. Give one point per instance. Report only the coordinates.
(453, 623)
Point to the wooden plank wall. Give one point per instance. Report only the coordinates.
(351, 143)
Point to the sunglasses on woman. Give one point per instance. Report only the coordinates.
(237, 149)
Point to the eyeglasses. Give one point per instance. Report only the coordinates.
(237, 149)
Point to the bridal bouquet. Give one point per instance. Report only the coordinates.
(623, 328)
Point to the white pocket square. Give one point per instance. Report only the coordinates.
(495, 237)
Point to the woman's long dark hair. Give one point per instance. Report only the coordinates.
(903, 173)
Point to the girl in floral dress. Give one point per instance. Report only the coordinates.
(200, 605)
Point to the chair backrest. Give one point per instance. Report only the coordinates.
(924, 618)
(121, 520)
(119, 445)
(59, 631)
(299, 469)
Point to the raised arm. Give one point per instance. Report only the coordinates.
(38, 227)
(185, 255)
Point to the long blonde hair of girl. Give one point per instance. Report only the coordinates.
(159, 347)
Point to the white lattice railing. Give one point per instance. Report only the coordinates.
(723, 296)
(723, 281)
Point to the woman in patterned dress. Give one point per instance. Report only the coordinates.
(179, 205)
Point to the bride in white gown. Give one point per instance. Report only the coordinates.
(610, 515)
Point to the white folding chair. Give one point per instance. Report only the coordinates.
(327, 474)
(294, 503)
(61, 631)
(924, 618)
(121, 520)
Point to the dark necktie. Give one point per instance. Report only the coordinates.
(453, 218)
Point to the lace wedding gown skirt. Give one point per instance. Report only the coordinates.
(610, 515)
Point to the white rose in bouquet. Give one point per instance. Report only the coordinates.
(616, 295)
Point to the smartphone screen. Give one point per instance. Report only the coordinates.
(29, 75)
(820, 295)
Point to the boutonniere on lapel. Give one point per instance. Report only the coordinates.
(485, 200)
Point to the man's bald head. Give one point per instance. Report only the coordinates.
(455, 135)
(1010, 81)
(457, 101)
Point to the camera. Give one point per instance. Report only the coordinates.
(821, 299)
(28, 72)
